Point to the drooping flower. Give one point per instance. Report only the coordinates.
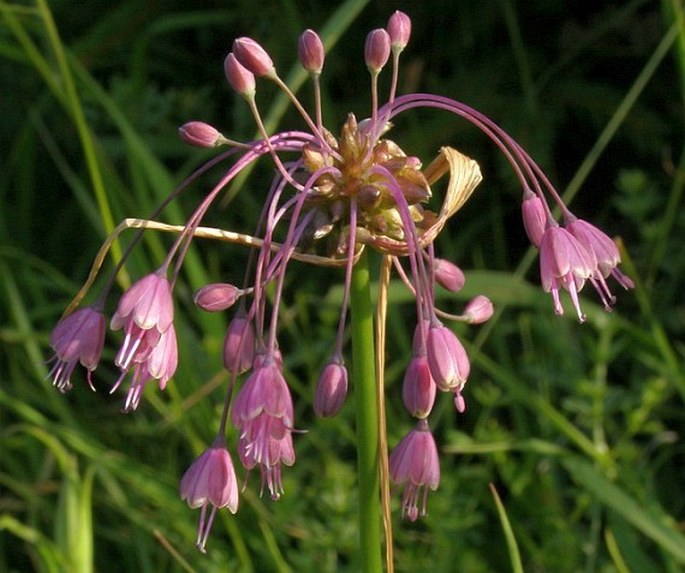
(78, 337)
(145, 312)
(210, 481)
(418, 387)
(414, 463)
(564, 263)
(449, 364)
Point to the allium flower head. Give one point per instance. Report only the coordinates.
(78, 337)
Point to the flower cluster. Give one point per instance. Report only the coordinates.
(332, 197)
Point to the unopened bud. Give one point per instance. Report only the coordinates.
(418, 388)
(216, 297)
(479, 310)
(399, 30)
(448, 275)
(377, 50)
(534, 217)
(310, 51)
(239, 77)
(200, 134)
(253, 57)
(459, 402)
(449, 364)
(331, 390)
(239, 345)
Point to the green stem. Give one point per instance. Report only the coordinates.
(363, 374)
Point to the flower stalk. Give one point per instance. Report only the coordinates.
(368, 451)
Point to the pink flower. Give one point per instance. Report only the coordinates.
(216, 297)
(310, 51)
(239, 345)
(448, 275)
(200, 134)
(399, 30)
(331, 390)
(210, 480)
(449, 364)
(78, 337)
(278, 450)
(253, 57)
(534, 217)
(479, 310)
(564, 263)
(239, 78)
(606, 254)
(377, 49)
(145, 312)
(414, 463)
(418, 388)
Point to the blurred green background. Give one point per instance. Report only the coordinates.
(579, 427)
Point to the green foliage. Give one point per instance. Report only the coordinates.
(578, 427)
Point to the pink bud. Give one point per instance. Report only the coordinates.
(253, 57)
(479, 310)
(449, 364)
(217, 296)
(534, 217)
(239, 345)
(377, 50)
(399, 30)
(331, 390)
(200, 134)
(310, 51)
(448, 275)
(418, 388)
(239, 78)
(459, 402)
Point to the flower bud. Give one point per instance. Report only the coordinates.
(399, 30)
(217, 296)
(479, 310)
(239, 345)
(200, 134)
(240, 79)
(310, 51)
(459, 402)
(448, 275)
(253, 57)
(534, 217)
(331, 390)
(418, 388)
(377, 50)
(449, 364)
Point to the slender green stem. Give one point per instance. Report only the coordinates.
(363, 372)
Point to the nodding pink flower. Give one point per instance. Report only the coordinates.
(210, 481)
(331, 390)
(239, 345)
(160, 364)
(277, 450)
(478, 310)
(377, 50)
(310, 51)
(448, 275)
(606, 254)
(449, 364)
(145, 312)
(399, 30)
(418, 388)
(216, 297)
(264, 391)
(78, 337)
(414, 463)
(239, 78)
(201, 134)
(534, 217)
(564, 263)
(253, 57)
